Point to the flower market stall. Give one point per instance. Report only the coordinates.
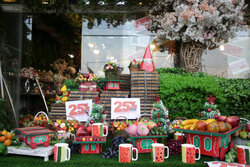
(130, 111)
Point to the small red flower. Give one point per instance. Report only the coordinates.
(209, 109)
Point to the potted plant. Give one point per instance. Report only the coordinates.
(134, 66)
(87, 81)
(112, 70)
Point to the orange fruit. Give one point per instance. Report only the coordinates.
(2, 139)
(9, 136)
(7, 142)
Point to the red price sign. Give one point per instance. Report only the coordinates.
(125, 106)
(78, 109)
(128, 107)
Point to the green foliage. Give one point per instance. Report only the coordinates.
(5, 122)
(97, 114)
(185, 95)
(237, 92)
(71, 84)
(3, 149)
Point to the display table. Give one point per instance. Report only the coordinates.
(143, 143)
(210, 143)
(39, 152)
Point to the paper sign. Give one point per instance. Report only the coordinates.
(232, 50)
(239, 66)
(80, 110)
(224, 164)
(141, 24)
(128, 107)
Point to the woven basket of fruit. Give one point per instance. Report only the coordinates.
(242, 136)
(41, 119)
(117, 127)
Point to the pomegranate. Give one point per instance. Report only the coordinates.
(221, 118)
(232, 121)
(200, 125)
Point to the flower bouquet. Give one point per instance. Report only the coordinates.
(134, 66)
(112, 70)
(87, 81)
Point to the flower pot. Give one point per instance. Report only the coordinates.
(134, 69)
(111, 75)
(87, 86)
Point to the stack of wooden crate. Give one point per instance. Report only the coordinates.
(125, 84)
(145, 85)
(58, 110)
(106, 100)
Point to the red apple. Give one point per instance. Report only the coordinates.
(232, 121)
(82, 131)
(248, 126)
(237, 119)
(89, 129)
(221, 118)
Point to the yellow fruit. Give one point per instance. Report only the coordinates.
(189, 121)
(209, 120)
(64, 88)
(193, 126)
(5, 132)
(64, 99)
(187, 126)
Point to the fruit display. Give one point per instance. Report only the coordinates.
(176, 124)
(158, 131)
(62, 95)
(174, 146)
(113, 150)
(117, 127)
(70, 126)
(26, 120)
(9, 138)
(40, 120)
(212, 125)
(86, 77)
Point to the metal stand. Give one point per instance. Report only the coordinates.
(41, 92)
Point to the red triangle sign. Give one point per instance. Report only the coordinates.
(147, 61)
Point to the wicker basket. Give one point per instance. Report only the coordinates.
(134, 69)
(111, 75)
(120, 133)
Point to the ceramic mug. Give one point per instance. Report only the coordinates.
(243, 155)
(61, 152)
(157, 152)
(98, 130)
(188, 153)
(126, 153)
(179, 136)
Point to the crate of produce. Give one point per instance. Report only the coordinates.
(210, 143)
(143, 143)
(90, 144)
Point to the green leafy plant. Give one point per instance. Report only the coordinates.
(237, 92)
(185, 93)
(71, 84)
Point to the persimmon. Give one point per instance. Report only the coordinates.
(9, 136)
(2, 139)
(7, 142)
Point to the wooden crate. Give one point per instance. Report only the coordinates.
(106, 100)
(78, 95)
(125, 85)
(57, 111)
